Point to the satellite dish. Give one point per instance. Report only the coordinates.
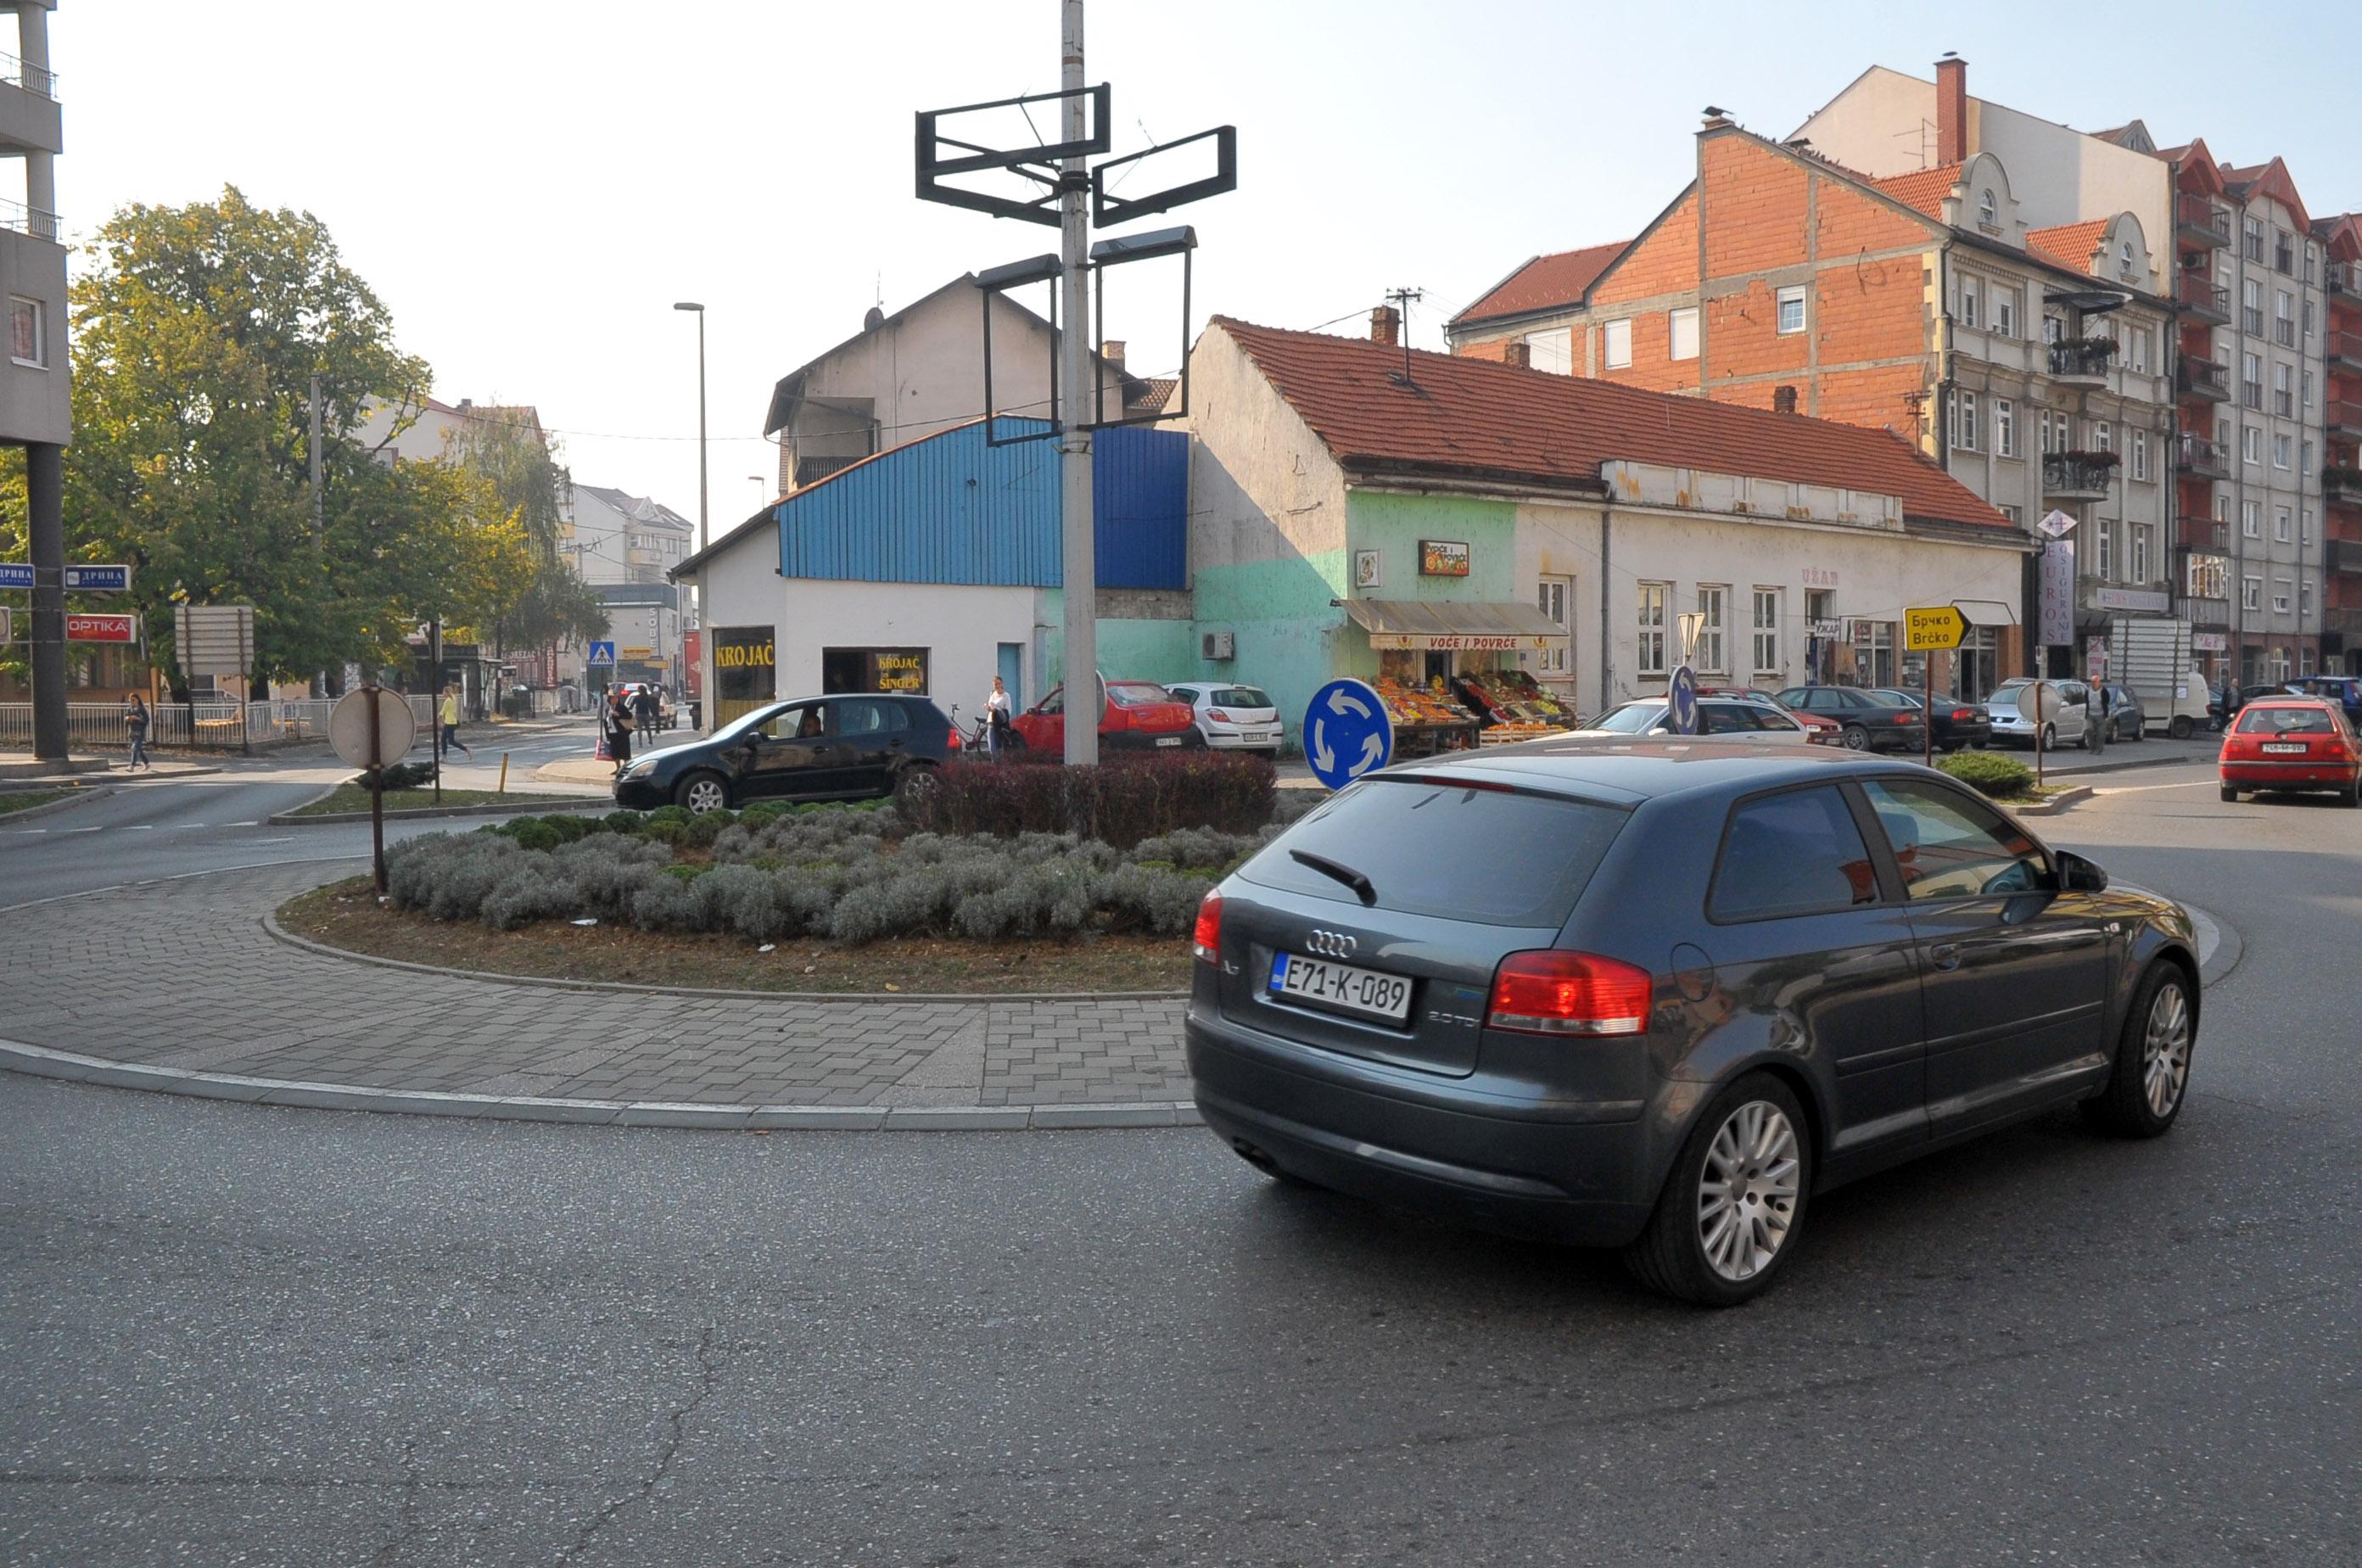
(875, 319)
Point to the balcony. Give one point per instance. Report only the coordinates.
(2207, 380)
(2202, 298)
(2078, 476)
(2342, 486)
(2198, 221)
(2343, 418)
(2081, 360)
(2205, 534)
(2208, 614)
(2197, 456)
(2345, 279)
(2346, 555)
(2345, 351)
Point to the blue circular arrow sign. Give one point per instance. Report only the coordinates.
(1683, 694)
(1346, 732)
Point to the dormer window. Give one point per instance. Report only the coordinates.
(1988, 214)
(2124, 259)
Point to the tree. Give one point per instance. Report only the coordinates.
(520, 464)
(198, 330)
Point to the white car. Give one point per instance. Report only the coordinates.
(1719, 718)
(2011, 727)
(1232, 718)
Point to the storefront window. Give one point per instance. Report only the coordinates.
(1977, 666)
(745, 670)
(899, 671)
(1873, 653)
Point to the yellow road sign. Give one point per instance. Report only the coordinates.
(1926, 630)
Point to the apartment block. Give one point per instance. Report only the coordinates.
(2341, 476)
(36, 396)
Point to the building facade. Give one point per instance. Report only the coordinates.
(2341, 477)
(36, 384)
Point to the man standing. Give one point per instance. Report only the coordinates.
(451, 741)
(645, 707)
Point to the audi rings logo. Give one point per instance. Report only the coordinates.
(1332, 943)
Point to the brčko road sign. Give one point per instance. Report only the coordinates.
(603, 653)
(1933, 630)
(1681, 696)
(1346, 732)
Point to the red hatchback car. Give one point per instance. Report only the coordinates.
(1137, 715)
(2293, 743)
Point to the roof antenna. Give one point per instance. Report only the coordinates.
(1402, 298)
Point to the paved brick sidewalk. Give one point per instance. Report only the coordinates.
(182, 974)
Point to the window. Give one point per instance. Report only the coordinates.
(861, 717)
(1964, 421)
(2005, 427)
(1681, 329)
(2283, 252)
(2304, 527)
(2251, 238)
(2054, 328)
(2283, 319)
(2053, 438)
(2144, 537)
(2124, 257)
(1767, 631)
(1618, 345)
(2308, 318)
(2251, 379)
(2005, 313)
(2103, 436)
(2103, 536)
(2013, 513)
(1796, 853)
(2251, 519)
(2139, 351)
(2251, 594)
(1552, 599)
(1791, 310)
(1552, 349)
(2279, 596)
(2251, 444)
(1713, 605)
(1988, 214)
(2251, 308)
(2304, 463)
(2283, 391)
(1651, 660)
(1968, 300)
(2140, 454)
(26, 343)
(2308, 267)
(1873, 652)
(2281, 525)
(2282, 451)
(2308, 388)
(2305, 596)
(1949, 846)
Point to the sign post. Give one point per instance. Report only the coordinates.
(1935, 629)
(369, 732)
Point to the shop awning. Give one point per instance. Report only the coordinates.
(1453, 623)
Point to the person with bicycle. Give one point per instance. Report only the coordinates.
(996, 709)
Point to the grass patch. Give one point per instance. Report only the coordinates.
(25, 800)
(355, 798)
(345, 914)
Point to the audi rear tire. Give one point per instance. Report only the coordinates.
(1733, 1207)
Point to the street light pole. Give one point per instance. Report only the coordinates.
(704, 528)
(1077, 398)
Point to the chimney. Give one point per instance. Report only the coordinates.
(1784, 399)
(1520, 353)
(467, 403)
(1386, 325)
(1112, 352)
(1951, 109)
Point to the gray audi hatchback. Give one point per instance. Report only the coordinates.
(1658, 995)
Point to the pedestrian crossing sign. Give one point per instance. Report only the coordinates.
(603, 653)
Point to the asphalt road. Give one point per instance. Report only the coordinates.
(236, 1335)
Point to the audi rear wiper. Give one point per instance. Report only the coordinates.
(1339, 871)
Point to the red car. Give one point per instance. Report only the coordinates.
(2293, 743)
(1137, 715)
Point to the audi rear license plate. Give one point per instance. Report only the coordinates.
(1341, 986)
(2284, 748)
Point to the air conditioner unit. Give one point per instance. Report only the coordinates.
(1218, 644)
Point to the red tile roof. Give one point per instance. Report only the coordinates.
(2069, 245)
(1921, 189)
(1482, 419)
(1544, 282)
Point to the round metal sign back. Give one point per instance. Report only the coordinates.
(348, 727)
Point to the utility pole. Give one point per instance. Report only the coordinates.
(1402, 298)
(1078, 394)
(319, 531)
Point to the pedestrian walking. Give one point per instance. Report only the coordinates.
(135, 721)
(995, 718)
(644, 708)
(451, 741)
(615, 728)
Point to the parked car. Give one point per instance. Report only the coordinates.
(2293, 743)
(1956, 725)
(2127, 719)
(1725, 718)
(1820, 729)
(1135, 715)
(1661, 997)
(2011, 727)
(1232, 718)
(1868, 719)
(814, 748)
(2344, 690)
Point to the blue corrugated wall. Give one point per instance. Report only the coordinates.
(954, 509)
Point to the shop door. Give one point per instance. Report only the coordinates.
(1011, 670)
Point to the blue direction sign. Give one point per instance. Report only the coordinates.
(1346, 732)
(603, 653)
(99, 579)
(15, 574)
(1683, 696)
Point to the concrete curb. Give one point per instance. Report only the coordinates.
(2162, 759)
(2053, 806)
(966, 999)
(554, 802)
(83, 794)
(40, 1062)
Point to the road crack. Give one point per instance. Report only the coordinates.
(407, 1516)
(709, 1377)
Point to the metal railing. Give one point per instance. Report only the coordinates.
(2345, 345)
(2066, 473)
(28, 220)
(2345, 278)
(2200, 291)
(2197, 455)
(200, 726)
(2342, 487)
(2201, 215)
(2343, 413)
(31, 78)
(2082, 356)
(2205, 378)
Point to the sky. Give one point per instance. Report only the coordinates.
(531, 184)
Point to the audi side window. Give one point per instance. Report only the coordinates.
(1796, 853)
(1947, 847)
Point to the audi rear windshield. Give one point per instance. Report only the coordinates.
(1451, 851)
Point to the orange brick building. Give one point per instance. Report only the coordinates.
(2342, 478)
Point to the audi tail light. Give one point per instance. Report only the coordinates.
(1206, 940)
(1547, 991)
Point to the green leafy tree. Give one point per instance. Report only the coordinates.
(516, 460)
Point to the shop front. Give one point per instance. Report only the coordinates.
(1451, 672)
(745, 670)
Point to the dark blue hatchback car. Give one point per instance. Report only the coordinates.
(845, 747)
(1657, 995)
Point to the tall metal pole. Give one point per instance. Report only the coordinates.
(46, 545)
(319, 532)
(1077, 396)
(704, 537)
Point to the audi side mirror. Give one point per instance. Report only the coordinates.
(2078, 875)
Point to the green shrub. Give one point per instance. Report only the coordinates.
(1990, 774)
(567, 828)
(533, 833)
(624, 822)
(401, 775)
(701, 832)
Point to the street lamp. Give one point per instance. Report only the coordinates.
(693, 305)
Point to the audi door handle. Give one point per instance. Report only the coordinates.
(1945, 955)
